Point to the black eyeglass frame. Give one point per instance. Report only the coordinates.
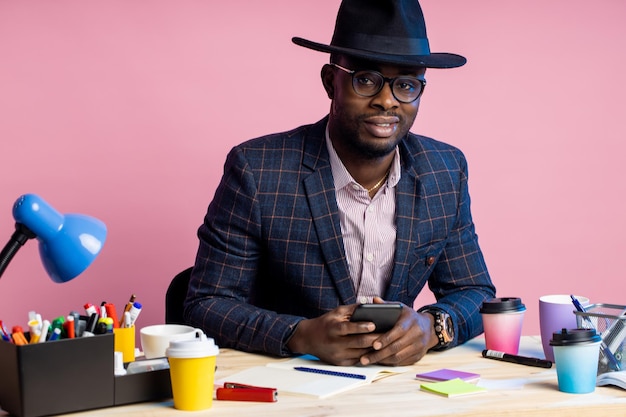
(391, 82)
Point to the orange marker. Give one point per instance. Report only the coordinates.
(18, 336)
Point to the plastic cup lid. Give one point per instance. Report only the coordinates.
(574, 336)
(502, 305)
(192, 348)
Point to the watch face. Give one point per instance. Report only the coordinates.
(449, 327)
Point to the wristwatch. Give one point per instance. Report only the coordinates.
(444, 328)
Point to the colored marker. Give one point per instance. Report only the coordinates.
(45, 328)
(90, 309)
(92, 322)
(18, 336)
(134, 312)
(56, 334)
(70, 330)
(35, 336)
(520, 360)
(110, 309)
(3, 332)
(127, 322)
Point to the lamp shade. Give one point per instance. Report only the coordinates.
(68, 243)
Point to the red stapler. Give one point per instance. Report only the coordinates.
(240, 392)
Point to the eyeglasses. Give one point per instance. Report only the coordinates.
(405, 89)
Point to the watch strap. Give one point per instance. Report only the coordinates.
(441, 326)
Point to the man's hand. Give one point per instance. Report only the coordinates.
(333, 338)
(406, 343)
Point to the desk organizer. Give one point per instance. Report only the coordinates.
(609, 321)
(71, 375)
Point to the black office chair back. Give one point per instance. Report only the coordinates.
(175, 297)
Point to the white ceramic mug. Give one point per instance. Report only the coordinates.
(156, 339)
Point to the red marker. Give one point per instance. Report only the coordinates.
(110, 309)
(70, 330)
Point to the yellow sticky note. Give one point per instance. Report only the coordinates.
(452, 388)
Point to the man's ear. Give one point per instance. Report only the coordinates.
(328, 80)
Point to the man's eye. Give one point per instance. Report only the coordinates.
(364, 80)
(407, 85)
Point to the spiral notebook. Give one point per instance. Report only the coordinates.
(286, 379)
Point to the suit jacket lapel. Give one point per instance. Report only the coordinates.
(320, 190)
(407, 198)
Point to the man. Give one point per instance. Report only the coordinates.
(353, 208)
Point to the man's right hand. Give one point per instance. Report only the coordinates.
(333, 338)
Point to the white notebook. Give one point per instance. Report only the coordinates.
(612, 378)
(283, 377)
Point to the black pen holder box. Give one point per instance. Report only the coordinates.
(71, 375)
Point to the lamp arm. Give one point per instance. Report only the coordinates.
(18, 239)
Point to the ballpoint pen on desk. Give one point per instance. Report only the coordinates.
(328, 372)
(604, 350)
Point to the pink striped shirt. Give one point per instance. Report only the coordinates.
(368, 227)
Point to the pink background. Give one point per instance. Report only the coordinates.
(125, 110)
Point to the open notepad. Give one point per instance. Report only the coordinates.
(283, 377)
(617, 378)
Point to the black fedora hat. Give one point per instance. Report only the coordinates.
(388, 31)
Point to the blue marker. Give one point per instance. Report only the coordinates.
(56, 334)
(134, 312)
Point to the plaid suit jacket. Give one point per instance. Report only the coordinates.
(271, 251)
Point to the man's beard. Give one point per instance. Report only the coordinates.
(370, 149)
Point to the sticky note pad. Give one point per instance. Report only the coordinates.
(452, 388)
(447, 374)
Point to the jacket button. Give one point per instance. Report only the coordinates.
(430, 260)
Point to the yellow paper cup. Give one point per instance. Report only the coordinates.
(124, 341)
(192, 372)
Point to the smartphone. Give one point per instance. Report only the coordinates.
(384, 316)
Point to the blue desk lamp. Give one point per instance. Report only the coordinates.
(68, 243)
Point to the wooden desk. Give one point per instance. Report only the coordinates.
(513, 390)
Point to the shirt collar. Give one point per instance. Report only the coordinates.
(342, 177)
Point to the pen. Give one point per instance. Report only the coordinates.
(604, 350)
(130, 302)
(520, 360)
(328, 372)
